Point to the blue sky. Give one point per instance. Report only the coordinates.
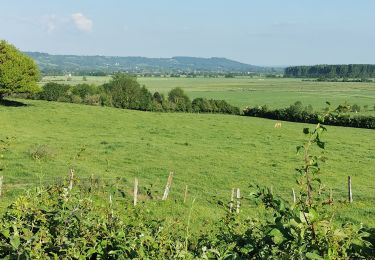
(263, 32)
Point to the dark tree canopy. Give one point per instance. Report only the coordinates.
(332, 71)
(125, 92)
(18, 72)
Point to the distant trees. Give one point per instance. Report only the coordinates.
(123, 91)
(297, 113)
(18, 72)
(53, 91)
(202, 105)
(360, 71)
(180, 100)
(84, 90)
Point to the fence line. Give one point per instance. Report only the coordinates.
(147, 187)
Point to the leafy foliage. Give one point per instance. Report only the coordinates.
(18, 72)
(54, 92)
(58, 222)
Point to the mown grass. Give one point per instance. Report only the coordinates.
(210, 153)
(244, 91)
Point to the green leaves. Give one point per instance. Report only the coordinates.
(277, 236)
(18, 72)
(313, 256)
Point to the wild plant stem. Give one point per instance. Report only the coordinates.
(188, 224)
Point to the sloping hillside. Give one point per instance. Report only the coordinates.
(72, 63)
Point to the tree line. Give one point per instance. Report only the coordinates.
(124, 91)
(331, 71)
(298, 113)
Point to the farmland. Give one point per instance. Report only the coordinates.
(242, 92)
(209, 153)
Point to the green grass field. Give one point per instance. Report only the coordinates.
(210, 153)
(242, 92)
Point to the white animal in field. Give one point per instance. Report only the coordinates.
(278, 125)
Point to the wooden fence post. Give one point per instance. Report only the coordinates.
(168, 186)
(238, 200)
(135, 191)
(231, 201)
(185, 195)
(350, 192)
(71, 177)
(1, 185)
(294, 196)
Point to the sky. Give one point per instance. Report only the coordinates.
(259, 32)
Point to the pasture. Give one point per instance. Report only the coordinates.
(210, 153)
(244, 91)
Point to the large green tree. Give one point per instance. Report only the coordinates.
(18, 72)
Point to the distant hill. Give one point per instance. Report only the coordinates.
(51, 64)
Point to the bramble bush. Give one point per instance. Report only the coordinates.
(56, 222)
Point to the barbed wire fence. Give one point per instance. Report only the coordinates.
(140, 189)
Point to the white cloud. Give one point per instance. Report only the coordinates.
(82, 22)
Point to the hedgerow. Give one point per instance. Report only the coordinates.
(123, 91)
(297, 113)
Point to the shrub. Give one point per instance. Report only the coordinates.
(94, 100)
(356, 108)
(125, 92)
(53, 91)
(180, 99)
(84, 90)
(158, 98)
(76, 99)
(57, 223)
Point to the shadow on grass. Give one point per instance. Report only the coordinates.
(11, 103)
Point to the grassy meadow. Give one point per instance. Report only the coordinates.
(210, 153)
(243, 91)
